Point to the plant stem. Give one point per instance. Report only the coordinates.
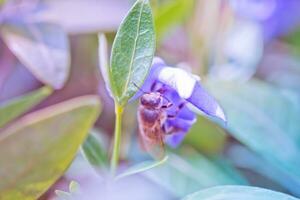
(117, 139)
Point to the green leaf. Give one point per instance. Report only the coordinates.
(237, 193)
(103, 61)
(266, 120)
(16, 107)
(142, 167)
(94, 152)
(62, 195)
(170, 14)
(41, 46)
(206, 136)
(103, 57)
(190, 172)
(38, 148)
(294, 41)
(74, 187)
(132, 52)
(245, 159)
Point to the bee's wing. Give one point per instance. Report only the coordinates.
(151, 138)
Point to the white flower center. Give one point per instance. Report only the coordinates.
(182, 81)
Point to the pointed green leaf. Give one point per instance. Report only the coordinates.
(238, 193)
(132, 52)
(94, 152)
(142, 167)
(14, 108)
(38, 148)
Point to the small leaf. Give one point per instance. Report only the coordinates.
(14, 108)
(132, 52)
(39, 147)
(94, 152)
(42, 47)
(62, 195)
(142, 167)
(238, 192)
(74, 187)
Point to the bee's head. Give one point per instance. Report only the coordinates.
(152, 100)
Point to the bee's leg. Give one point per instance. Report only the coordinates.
(161, 90)
(164, 128)
(167, 130)
(153, 86)
(168, 105)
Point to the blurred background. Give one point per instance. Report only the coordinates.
(247, 53)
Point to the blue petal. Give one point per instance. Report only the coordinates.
(157, 65)
(180, 124)
(175, 139)
(187, 114)
(206, 103)
(183, 120)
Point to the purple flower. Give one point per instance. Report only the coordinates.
(184, 92)
(277, 17)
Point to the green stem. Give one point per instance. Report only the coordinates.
(117, 139)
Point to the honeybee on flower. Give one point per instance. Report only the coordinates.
(165, 114)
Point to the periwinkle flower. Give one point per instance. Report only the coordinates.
(277, 17)
(181, 90)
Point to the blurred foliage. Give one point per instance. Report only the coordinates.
(169, 14)
(142, 167)
(38, 44)
(190, 171)
(206, 136)
(238, 192)
(264, 119)
(99, 15)
(16, 107)
(31, 159)
(246, 159)
(52, 45)
(294, 41)
(93, 150)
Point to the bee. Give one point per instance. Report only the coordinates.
(152, 116)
